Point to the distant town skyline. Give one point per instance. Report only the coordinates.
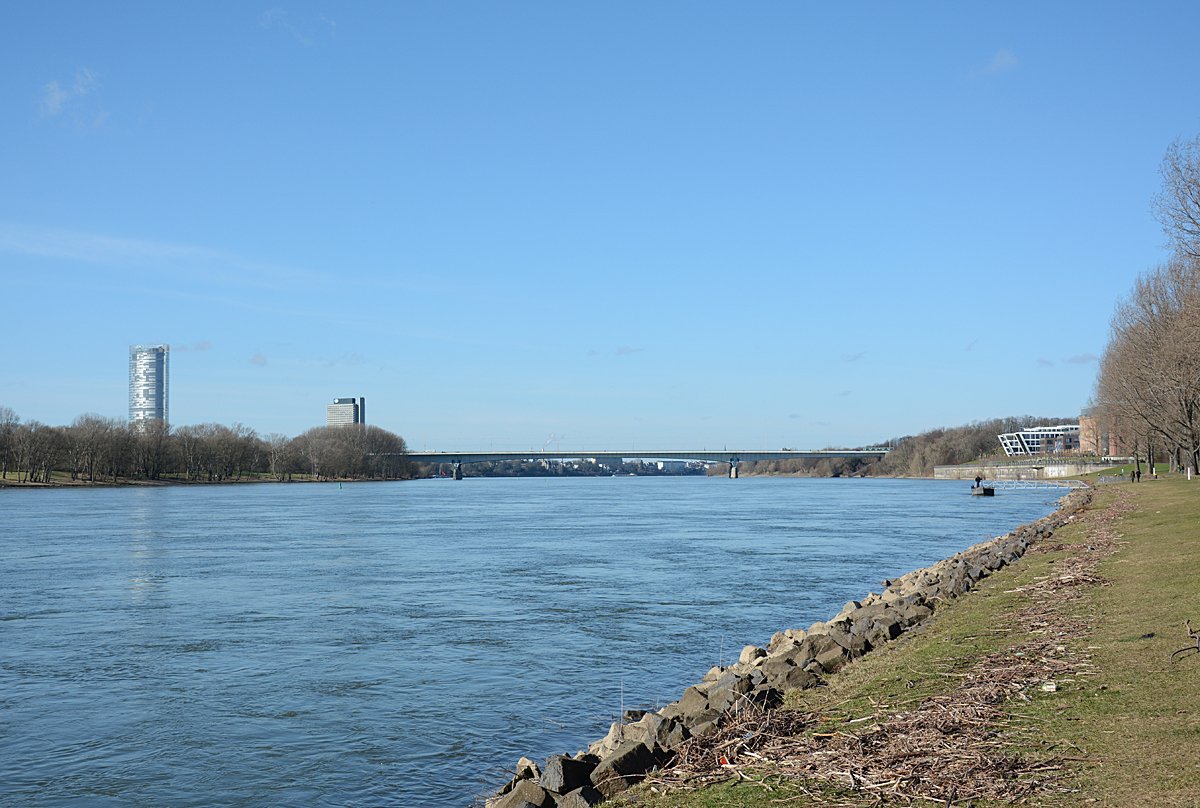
(617, 225)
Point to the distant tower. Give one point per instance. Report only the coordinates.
(346, 411)
(149, 367)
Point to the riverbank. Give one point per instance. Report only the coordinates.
(1052, 684)
(703, 738)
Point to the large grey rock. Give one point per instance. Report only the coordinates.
(584, 797)
(832, 659)
(526, 792)
(728, 690)
(563, 774)
(623, 768)
(750, 654)
(796, 679)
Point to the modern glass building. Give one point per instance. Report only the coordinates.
(1036, 440)
(149, 367)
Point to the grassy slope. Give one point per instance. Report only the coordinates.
(1135, 724)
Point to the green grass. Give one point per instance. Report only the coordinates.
(1136, 724)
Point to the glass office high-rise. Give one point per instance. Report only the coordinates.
(148, 372)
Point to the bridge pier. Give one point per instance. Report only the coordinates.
(733, 471)
(458, 471)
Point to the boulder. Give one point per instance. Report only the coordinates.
(623, 768)
(528, 770)
(584, 797)
(525, 792)
(751, 653)
(832, 659)
(564, 774)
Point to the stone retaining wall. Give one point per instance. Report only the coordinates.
(796, 658)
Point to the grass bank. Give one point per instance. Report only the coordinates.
(1051, 684)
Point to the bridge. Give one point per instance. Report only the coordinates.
(458, 459)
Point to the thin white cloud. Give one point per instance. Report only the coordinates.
(85, 82)
(277, 18)
(625, 350)
(180, 259)
(258, 359)
(853, 357)
(344, 359)
(1083, 359)
(56, 98)
(1002, 62)
(1045, 363)
(53, 98)
(973, 344)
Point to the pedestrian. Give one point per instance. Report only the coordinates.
(1139, 475)
(978, 480)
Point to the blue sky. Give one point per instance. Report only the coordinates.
(665, 224)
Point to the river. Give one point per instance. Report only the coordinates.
(395, 644)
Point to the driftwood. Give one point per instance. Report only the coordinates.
(1194, 635)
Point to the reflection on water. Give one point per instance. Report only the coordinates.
(389, 643)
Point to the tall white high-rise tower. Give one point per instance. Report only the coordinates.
(148, 371)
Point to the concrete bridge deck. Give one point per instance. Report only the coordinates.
(732, 457)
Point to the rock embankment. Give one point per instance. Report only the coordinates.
(796, 658)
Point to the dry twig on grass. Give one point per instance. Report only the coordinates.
(1194, 635)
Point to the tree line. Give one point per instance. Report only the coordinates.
(910, 456)
(1147, 390)
(93, 448)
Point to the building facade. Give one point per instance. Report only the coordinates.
(346, 411)
(1037, 440)
(149, 372)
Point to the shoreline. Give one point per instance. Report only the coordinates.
(794, 660)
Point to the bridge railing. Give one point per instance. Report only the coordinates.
(1023, 484)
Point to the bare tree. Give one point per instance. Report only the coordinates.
(8, 425)
(1177, 204)
(277, 445)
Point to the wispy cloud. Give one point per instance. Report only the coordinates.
(973, 344)
(853, 357)
(593, 352)
(258, 359)
(53, 99)
(1003, 61)
(793, 415)
(277, 18)
(180, 259)
(1083, 359)
(845, 393)
(56, 99)
(344, 359)
(1045, 363)
(200, 345)
(625, 350)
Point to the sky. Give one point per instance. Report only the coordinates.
(669, 225)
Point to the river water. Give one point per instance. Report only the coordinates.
(395, 644)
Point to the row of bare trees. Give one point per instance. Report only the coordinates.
(1147, 391)
(911, 456)
(96, 449)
